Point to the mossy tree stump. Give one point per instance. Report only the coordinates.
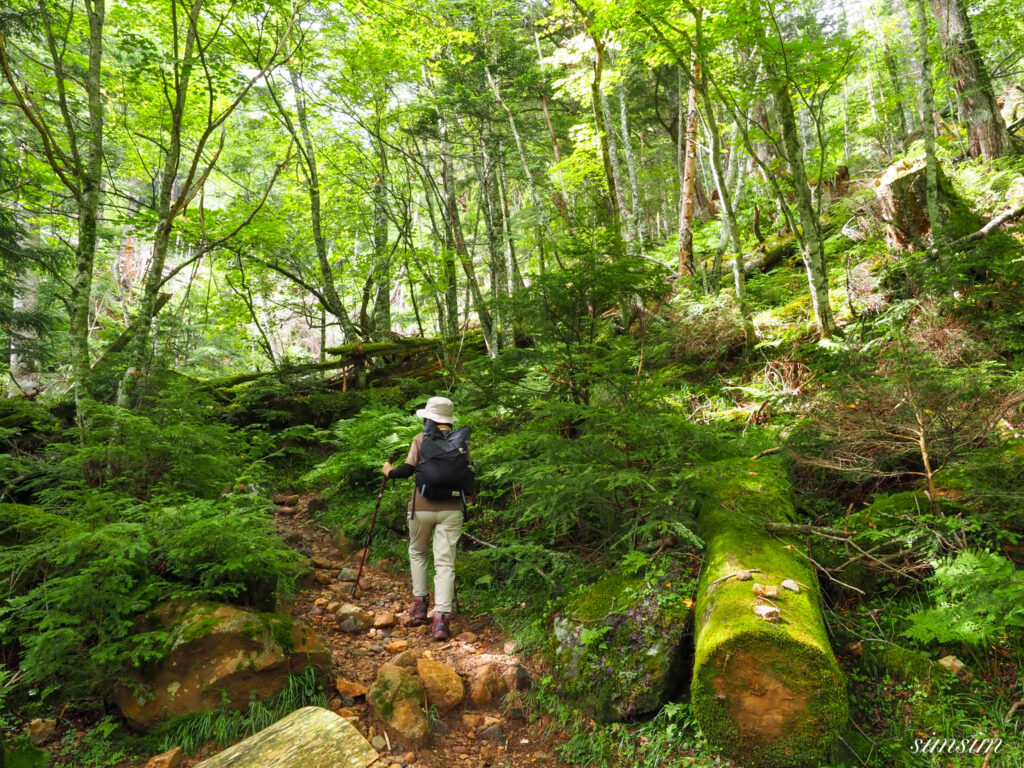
(901, 191)
(768, 694)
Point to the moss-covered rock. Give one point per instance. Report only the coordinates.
(765, 693)
(618, 644)
(395, 697)
(216, 655)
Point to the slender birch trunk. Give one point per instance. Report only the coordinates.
(928, 115)
(814, 253)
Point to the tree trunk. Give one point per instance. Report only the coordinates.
(686, 196)
(381, 257)
(308, 156)
(496, 252)
(310, 737)
(927, 111)
(88, 210)
(602, 134)
(631, 171)
(451, 212)
(138, 346)
(767, 694)
(986, 131)
(542, 211)
(814, 253)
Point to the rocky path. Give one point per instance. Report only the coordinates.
(486, 723)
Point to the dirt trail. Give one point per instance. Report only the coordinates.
(465, 736)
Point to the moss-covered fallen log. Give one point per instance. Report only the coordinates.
(307, 738)
(768, 693)
(354, 354)
(777, 249)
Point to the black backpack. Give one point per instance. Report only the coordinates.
(444, 471)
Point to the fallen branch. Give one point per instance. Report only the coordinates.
(992, 226)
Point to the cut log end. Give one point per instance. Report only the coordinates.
(768, 701)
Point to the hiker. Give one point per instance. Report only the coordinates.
(443, 478)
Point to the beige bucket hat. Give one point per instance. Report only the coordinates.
(438, 409)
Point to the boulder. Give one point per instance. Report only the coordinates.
(618, 644)
(443, 685)
(395, 697)
(486, 686)
(310, 737)
(216, 655)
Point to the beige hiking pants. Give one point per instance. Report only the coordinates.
(446, 527)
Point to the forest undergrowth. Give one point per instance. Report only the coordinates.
(902, 437)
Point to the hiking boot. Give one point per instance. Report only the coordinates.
(439, 630)
(418, 609)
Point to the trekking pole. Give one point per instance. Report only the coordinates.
(369, 536)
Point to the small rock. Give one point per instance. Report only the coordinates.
(458, 749)
(352, 618)
(169, 759)
(472, 721)
(466, 637)
(406, 658)
(492, 733)
(382, 620)
(333, 607)
(440, 727)
(378, 743)
(444, 687)
(953, 664)
(40, 731)
(347, 574)
(765, 590)
(349, 688)
(335, 704)
(486, 686)
(409, 757)
(288, 501)
(348, 701)
(516, 678)
(316, 610)
(397, 646)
